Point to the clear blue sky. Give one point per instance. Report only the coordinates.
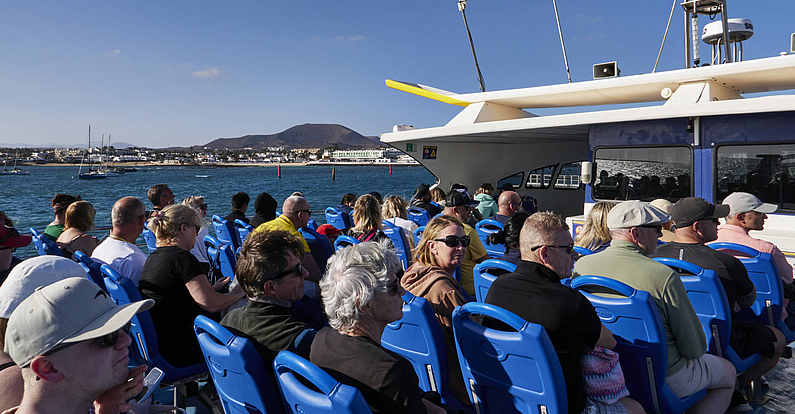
(165, 73)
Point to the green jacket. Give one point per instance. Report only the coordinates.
(625, 262)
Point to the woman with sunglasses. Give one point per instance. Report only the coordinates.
(439, 252)
(79, 220)
(173, 277)
(199, 250)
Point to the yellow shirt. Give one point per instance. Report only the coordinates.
(284, 223)
(474, 252)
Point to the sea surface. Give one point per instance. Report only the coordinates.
(26, 199)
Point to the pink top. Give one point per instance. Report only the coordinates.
(729, 233)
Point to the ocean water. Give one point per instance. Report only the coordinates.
(26, 199)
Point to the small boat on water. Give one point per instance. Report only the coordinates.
(14, 170)
(91, 174)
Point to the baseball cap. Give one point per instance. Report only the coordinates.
(692, 209)
(328, 230)
(634, 214)
(32, 273)
(663, 204)
(457, 198)
(68, 311)
(744, 202)
(10, 237)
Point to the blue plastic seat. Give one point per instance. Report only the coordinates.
(244, 384)
(769, 289)
(706, 294)
(418, 338)
(150, 239)
(464, 293)
(508, 371)
(319, 245)
(418, 215)
(312, 224)
(344, 241)
(144, 348)
(399, 240)
(418, 235)
(485, 228)
(226, 233)
(44, 245)
(333, 396)
(642, 346)
(582, 251)
(222, 258)
(243, 229)
(337, 219)
(483, 278)
(92, 268)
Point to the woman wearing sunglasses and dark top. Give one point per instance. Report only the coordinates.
(173, 277)
(439, 252)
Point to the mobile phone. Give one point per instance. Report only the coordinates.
(151, 382)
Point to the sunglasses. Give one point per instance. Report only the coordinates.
(656, 227)
(569, 247)
(393, 286)
(454, 241)
(107, 340)
(298, 268)
(308, 212)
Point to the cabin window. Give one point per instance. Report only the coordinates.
(540, 177)
(764, 170)
(514, 180)
(569, 176)
(643, 173)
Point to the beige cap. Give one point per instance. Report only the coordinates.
(634, 214)
(67, 311)
(744, 202)
(32, 273)
(663, 205)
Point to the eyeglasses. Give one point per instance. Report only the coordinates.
(656, 227)
(454, 241)
(196, 226)
(107, 340)
(569, 247)
(393, 286)
(308, 212)
(298, 268)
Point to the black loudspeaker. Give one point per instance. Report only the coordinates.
(606, 70)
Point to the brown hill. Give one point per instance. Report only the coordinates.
(300, 136)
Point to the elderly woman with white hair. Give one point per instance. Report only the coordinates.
(362, 294)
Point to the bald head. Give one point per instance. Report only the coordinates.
(126, 211)
(296, 208)
(509, 202)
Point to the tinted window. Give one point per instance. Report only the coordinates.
(540, 177)
(569, 176)
(765, 171)
(515, 180)
(643, 173)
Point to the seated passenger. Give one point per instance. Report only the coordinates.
(11, 241)
(367, 215)
(422, 199)
(346, 204)
(635, 227)
(509, 236)
(240, 202)
(439, 252)
(160, 196)
(269, 270)
(437, 197)
(394, 211)
(119, 250)
(264, 210)
(594, 235)
(535, 294)
(457, 205)
(361, 294)
(484, 196)
(330, 232)
(508, 203)
(697, 223)
(199, 250)
(667, 228)
(59, 205)
(79, 220)
(173, 277)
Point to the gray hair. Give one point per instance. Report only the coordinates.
(126, 210)
(354, 276)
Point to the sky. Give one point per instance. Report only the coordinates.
(180, 73)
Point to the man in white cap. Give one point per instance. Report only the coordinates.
(70, 339)
(635, 227)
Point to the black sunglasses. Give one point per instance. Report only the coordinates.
(569, 247)
(656, 227)
(392, 286)
(298, 268)
(107, 340)
(454, 241)
(308, 212)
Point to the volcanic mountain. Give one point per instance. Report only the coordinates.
(300, 136)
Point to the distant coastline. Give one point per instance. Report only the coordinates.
(232, 164)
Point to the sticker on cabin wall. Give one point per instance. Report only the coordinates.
(411, 147)
(429, 153)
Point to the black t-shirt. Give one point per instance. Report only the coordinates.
(430, 208)
(535, 294)
(163, 279)
(235, 215)
(387, 380)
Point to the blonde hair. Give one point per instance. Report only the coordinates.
(485, 188)
(437, 195)
(166, 223)
(394, 206)
(423, 253)
(595, 233)
(80, 216)
(193, 201)
(367, 214)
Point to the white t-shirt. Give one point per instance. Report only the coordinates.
(199, 250)
(407, 225)
(123, 257)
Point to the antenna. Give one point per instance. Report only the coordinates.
(562, 45)
(462, 6)
(739, 31)
(692, 9)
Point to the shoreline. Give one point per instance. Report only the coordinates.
(233, 164)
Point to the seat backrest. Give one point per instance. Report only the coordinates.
(244, 384)
(150, 239)
(485, 228)
(418, 215)
(92, 268)
(418, 235)
(225, 232)
(243, 229)
(582, 251)
(399, 240)
(344, 241)
(635, 322)
(222, 258)
(483, 276)
(37, 241)
(333, 396)
(508, 371)
(318, 244)
(48, 246)
(417, 336)
(337, 219)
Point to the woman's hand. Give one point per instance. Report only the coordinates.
(221, 284)
(114, 400)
